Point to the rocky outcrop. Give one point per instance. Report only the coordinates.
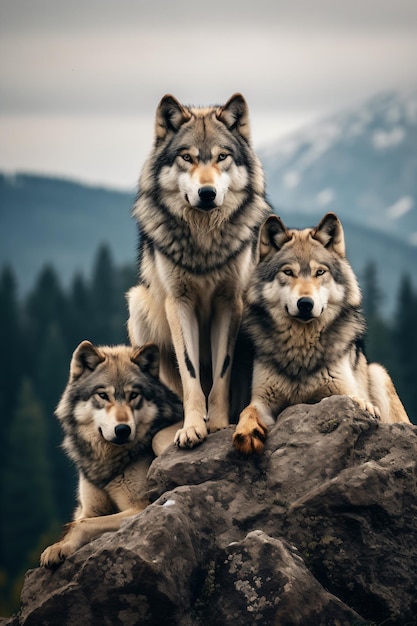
(320, 529)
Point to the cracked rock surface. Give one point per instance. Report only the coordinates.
(320, 529)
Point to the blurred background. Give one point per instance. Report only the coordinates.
(332, 92)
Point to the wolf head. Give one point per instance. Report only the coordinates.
(304, 274)
(202, 157)
(114, 395)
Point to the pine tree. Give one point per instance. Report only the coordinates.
(80, 323)
(52, 366)
(405, 341)
(27, 503)
(10, 373)
(10, 345)
(378, 338)
(372, 294)
(109, 311)
(45, 305)
(103, 296)
(51, 376)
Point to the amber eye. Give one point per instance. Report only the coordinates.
(103, 395)
(186, 157)
(320, 272)
(222, 156)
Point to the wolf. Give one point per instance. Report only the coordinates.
(200, 205)
(304, 319)
(111, 408)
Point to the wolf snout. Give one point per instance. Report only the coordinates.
(122, 433)
(305, 306)
(207, 195)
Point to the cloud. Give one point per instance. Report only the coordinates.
(101, 15)
(125, 73)
(101, 63)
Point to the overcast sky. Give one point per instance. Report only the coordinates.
(80, 80)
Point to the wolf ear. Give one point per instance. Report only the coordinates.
(272, 237)
(147, 358)
(330, 233)
(86, 357)
(235, 115)
(170, 115)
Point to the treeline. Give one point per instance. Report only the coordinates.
(37, 337)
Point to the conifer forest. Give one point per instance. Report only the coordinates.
(38, 334)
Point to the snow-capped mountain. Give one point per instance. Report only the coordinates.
(362, 164)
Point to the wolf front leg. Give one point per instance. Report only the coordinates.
(80, 532)
(183, 324)
(267, 401)
(95, 512)
(224, 328)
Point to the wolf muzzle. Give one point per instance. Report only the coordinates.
(305, 307)
(122, 433)
(207, 195)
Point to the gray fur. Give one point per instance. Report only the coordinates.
(196, 254)
(97, 459)
(112, 406)
(305, 323)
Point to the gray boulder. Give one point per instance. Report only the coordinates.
(320, 529)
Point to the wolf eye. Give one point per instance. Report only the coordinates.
(186, 157)
(103, 395)
(288, 272)
(139, 400)
(320, 272)
(222, 156)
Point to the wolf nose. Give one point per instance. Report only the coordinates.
(207, 193)
(122, 432)
(305, 305)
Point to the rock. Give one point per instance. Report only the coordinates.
(320, 529)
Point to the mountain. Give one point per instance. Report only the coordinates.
(48, 220)
(362, 164)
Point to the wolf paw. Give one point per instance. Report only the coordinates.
(55, 554)
(191, 436)
(250, 433)
(372, 409)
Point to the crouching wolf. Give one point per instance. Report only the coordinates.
(112, 406)
(200, 205)
(304, 320)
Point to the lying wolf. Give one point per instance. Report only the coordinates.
(306, 326)
(112, 406)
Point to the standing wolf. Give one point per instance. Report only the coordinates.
(200, 205)
(304, 319)
(112, 406)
